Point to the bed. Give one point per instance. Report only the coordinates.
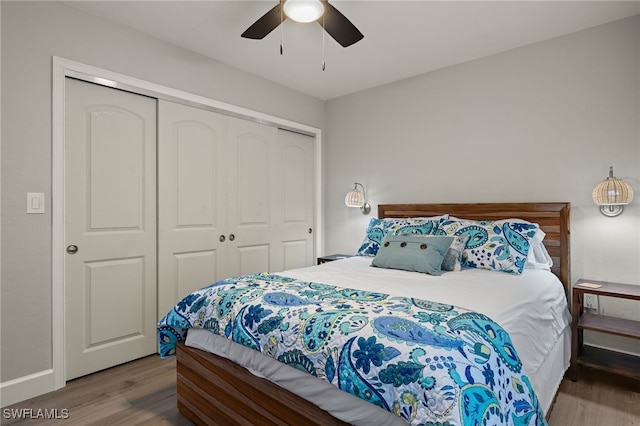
(221, 382)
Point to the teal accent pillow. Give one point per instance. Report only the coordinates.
(412, 253)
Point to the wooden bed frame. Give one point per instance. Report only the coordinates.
(215, 391)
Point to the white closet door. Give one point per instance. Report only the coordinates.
(110, 209)
(253, 164)
(295, 219)
(191, 201)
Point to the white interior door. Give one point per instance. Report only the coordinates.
(295, 218)
(110, 208)
(270, 190)
(252, 189)
(191, 201)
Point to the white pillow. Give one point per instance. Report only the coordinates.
(538, 257)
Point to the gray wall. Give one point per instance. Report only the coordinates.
(539, 123)
(33, 32)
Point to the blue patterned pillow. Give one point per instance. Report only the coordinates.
(412, 253)
(378, 228)
(375, 234)
(453, 256)
(501, 245)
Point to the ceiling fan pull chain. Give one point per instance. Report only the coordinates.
(323, 51)
(281, 30)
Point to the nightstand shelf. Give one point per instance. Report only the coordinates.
(603, 324)
(332, 257)
(615, 362)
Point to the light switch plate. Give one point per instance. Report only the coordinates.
(35, 202)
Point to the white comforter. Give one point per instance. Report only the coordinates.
(531, 307)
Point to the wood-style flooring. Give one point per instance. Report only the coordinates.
(597, 399)
(143, 392)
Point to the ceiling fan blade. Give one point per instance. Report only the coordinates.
(267, 23)
(339, 27)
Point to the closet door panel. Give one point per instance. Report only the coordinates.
(295, 221)
(194, 268)
(191, 200)
(253, 163)
(110, 227)
(253, 258)
(296, 254)
(195, 164)
(235, 198)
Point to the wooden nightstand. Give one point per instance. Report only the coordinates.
(614, 362)
(332, 257)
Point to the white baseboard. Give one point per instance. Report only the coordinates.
(26, 387)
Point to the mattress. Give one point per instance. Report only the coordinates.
(531, 307)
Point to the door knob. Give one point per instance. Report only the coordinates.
(72, 249)
(232, 237)
(310, 230)
(222, 238)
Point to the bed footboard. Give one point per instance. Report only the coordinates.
(215, 391)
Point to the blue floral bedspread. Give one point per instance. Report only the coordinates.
(430, 363)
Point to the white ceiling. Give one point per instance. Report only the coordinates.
(401, 38)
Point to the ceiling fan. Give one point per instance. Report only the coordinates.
(333, 22)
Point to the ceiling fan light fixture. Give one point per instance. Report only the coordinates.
(304, 11)
(333, 22)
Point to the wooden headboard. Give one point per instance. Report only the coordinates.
(553, 219)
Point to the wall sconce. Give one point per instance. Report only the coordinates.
(356, 198)
(612, 194)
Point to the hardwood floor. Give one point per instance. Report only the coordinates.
(597, 399)
(143, 392)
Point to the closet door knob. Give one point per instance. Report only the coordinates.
(72, 249)
(310, 230)
(222, 238)
(232, 237)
